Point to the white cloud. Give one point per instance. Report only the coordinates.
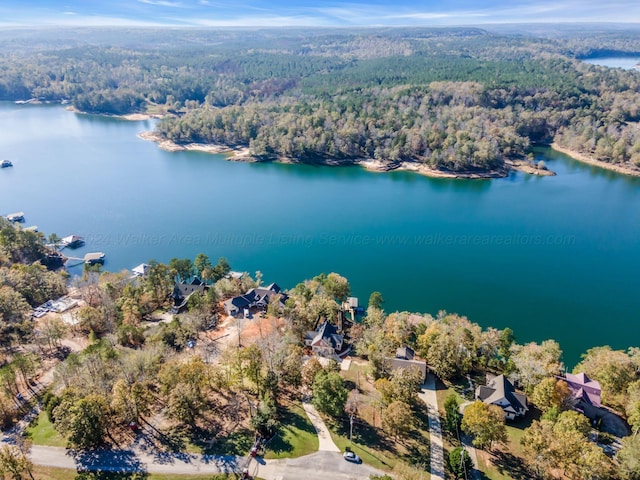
(260, 21)
(163, 3)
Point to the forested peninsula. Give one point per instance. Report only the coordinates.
(459, 101)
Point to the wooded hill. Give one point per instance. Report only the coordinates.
(456, 99)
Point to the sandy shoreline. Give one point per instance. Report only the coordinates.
(239, 154)
(584, 158)
(244, 154)
(134, 117)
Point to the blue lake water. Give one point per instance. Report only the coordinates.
(551, 257)
(614, 62)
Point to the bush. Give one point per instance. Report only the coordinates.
(459, 462)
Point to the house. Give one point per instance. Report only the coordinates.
(255, 299)
(182, 291)
(586, 393)
(500, 391)
(405, 359)
(325, 341)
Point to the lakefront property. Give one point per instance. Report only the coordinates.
(487, 171)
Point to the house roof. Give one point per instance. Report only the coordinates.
(140, 270)
(398, 363)
(405, 353)
(499, 389)
(583, 388)
(325, 334)
(582, 379)
(256, 296)
(182, 290)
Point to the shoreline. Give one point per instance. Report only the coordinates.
(589, 160)
(133, 117)
(243, 154)
(238, 154)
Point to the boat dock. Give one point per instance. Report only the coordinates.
(72, 241)
(93, 258)
(16, 217)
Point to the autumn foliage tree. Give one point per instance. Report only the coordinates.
(485, 423)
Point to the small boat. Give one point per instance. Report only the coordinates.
(33, 228)
(93, 258)
(6, 163)
(16, 217)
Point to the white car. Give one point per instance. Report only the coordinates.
(352, 457)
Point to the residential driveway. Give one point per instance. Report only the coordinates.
(428, 396)
(324, 437)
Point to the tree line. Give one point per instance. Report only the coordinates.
(230, 87)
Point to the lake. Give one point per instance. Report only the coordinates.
(551, 257)
(627, 63)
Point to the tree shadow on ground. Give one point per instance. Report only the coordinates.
(508, 464)
(111, 476)
(93, 462)
(236, 442)
(289, 420)
(366, 435)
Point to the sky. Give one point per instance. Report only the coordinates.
(316, 13)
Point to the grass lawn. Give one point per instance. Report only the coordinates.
(238, 442)
(296, 436)
(379, 449)
(488, 471)
(507, 463)
(357, 377)
(41, 432)
(51, 473)
(375, 446)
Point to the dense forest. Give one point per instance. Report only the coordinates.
(459, 99)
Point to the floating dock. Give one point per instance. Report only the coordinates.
(72, 241)
(16, 217)
(93, 258)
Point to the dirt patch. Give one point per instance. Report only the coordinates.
(259, 327)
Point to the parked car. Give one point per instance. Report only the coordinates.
(352, 457)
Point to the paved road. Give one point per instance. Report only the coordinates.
(133, 461)
(317, 466)
(322, 465)
(428, 396)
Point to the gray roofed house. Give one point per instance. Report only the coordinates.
(256, 298)
(405, 353)
(501, 392)
(405, 359)
(325, 341)
(182, 292)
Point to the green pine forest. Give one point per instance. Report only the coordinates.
(455, 99)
